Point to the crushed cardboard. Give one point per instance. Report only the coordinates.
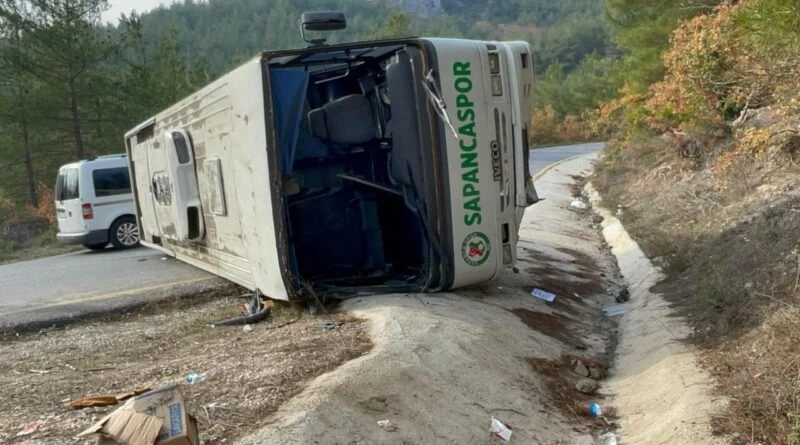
(99, 401)
(92, 402)
(155, 417)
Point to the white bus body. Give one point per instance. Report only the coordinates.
(372, 167)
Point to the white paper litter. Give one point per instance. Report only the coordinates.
(615, 310)
(578, 204)
(607, 439)
(543, 295)
(387, 425)
(500, 430)
(30, 428)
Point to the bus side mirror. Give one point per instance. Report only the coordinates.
(324, 21)
(321, 21)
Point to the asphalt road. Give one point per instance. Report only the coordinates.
(542, 157)
(85, 274)
(47, 291)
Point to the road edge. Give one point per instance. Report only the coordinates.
(60, 315)
(549, 167)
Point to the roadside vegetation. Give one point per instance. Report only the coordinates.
(702, 165)
(28, 232)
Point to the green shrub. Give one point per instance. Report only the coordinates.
(8, 246)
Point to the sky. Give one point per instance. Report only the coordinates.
(126, 6)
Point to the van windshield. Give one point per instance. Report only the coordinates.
(67, 184)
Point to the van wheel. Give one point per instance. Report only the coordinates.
(124, 233)
(96, 246)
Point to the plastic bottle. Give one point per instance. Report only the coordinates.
(194, 377)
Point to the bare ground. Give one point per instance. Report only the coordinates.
(249, 374)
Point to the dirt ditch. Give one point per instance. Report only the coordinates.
(584, 281)
(562, 380)
(248, 374)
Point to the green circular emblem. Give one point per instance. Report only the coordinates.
(476, 249)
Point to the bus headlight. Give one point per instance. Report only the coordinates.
(494, 63)
(497, 86)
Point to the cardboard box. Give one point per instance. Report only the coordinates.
(157, 417)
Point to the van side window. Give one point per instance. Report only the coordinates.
(111, 181)
(67, 185)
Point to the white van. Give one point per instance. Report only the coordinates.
(94, 204)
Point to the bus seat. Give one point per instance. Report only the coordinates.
(345, 121)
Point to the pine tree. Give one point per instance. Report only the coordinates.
(63, 50)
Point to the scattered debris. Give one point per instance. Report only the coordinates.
(329, 326)
(121, 397)
(247, 328)
(578, 204)
(100, 369)
(543, 295)
(515, 269)
(157, 415)
(38, 371)
(30, 428)
(194, 377)
(387, 425)
(587, 386)
(608, 438)
(500, 430)
(623, 296)
(581, 369)
(99, 401)
(92, 402)
(257, 311)
(594, 410)
(618, 309)
(579, 345)
(597, 373)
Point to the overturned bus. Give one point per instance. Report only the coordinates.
(369, 167)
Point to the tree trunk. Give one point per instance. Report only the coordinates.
(29, 174)
(76, 121)
(30, 178)
(22, 104)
